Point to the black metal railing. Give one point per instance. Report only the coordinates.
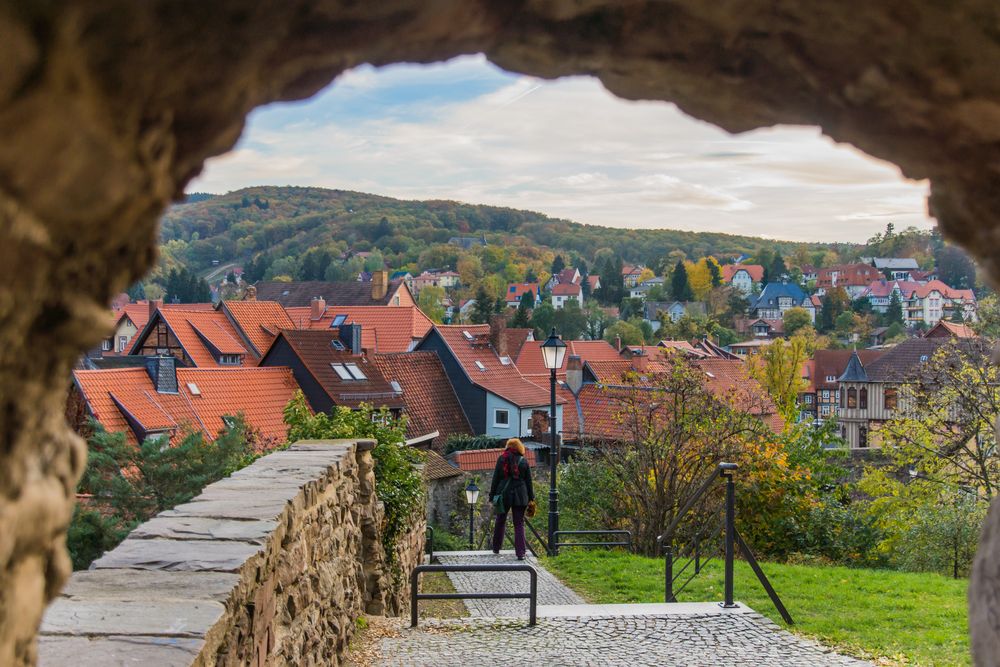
(531, 595)
(626, 542)
(430, 544)
(487, 534)
(713, 538)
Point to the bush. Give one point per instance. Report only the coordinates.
(398, 483)
(589, 495)
(459, 443)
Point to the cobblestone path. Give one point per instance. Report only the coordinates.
(550, 589)
(570, 633)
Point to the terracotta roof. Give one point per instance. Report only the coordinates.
(384, 329)
(137, 313)
(437, 467)
(756, 271)
(261, 394)
(592, 281)
(566, 289)
(609, 371)
(948, 329)
(431, 403)
(259, 321)
(833, 363)
(516, 290)
(531, 363)
(196, 331)
(851, 275)
(515, 339)
(902, 362)
(301, 293)
(567, 275)
(484, 459)
(471, 348)
(316, 353)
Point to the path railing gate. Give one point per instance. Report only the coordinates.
(531, 595)
(719, 534)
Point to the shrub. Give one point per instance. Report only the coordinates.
(458, 443)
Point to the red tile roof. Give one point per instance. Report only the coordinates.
(137, 313)
(384, 329)
(316, 353)
(469, 345)
(950, 329)
(531, 363)
(567, 276)
(566, 289)
(436, 467)
(832, 363)
(756, 271)
(484, 459)
(260, 394)
(431, 403)
(197, 329)
(516, 290)
(260, 321)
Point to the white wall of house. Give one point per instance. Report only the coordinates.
(558, 300)
(742, 281)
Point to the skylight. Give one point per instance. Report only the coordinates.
(480, 366)
(396, 387)
(193, 388)
(355, 372)
(338, 320)
(505, 361)
(341, 371)
(467, 335)
(337, 345)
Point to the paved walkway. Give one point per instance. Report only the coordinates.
(571, 633)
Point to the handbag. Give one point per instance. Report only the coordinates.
(498, 504)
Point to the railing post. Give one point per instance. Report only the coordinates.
(430, 544)
(697, 554)
(730, 537)
(413, 597)
(533, 608)
(668, 574)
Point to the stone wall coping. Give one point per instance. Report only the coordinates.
(159, 596)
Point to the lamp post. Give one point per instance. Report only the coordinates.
(553, 351)
(471, 497)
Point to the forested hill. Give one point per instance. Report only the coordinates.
(279, 223)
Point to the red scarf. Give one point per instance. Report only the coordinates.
(510, 464)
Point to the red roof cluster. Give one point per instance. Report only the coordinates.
(531, 363)
(484, 459)
(383, 328)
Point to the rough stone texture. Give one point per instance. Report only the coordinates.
(258, 569)
(108, 108)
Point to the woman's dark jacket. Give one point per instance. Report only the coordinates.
(519, 490)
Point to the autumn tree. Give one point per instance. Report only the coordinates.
(699, 278)
(835, 302)
(779, 369)
(794, 319)
(894, 314)
(430, 302)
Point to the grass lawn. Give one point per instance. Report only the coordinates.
(909, 618)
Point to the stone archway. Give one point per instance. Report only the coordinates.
(108, 108)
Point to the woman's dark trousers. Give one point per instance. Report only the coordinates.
(501, 523)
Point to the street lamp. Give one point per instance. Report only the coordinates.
(553, 351)
(471, 497)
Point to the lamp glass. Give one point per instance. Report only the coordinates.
(553, 351)
(471, 493)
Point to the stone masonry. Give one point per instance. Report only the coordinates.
(270, 566)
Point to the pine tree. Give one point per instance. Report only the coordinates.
(777, 269)
(895, 311)
(522, 316)
(716, 271)
(680, 288)
(484, 307)
(558, 264)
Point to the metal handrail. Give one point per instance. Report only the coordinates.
(430, 543)
(531, 595)
(697, 495)
(627, 543)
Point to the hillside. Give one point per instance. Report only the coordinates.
(285, 222)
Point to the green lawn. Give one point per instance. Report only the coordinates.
(908, 618)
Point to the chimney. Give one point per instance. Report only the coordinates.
(163, 371)
(154, 305)
(317, 308)
(618, 343)
(574, 374)
(250, 294)
(498, 326)
(639, 360)
(350, 336)
(380, 285)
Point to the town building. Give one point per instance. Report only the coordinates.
(776, 298)
(642, 289)
(566, 292)
(196, 338)
(828, 366)
(383, 328)
(379, 291)
(895, 268)
(434, 278)
(853, 278)
(926, 303)
(675, 310)
(515, 291)
(631, 275)
(743, 277)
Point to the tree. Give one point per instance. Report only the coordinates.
(680, 289)
(570, 320)
(646, 274)
(628, 333)
(716, 271)
(543, 319)
(522, 316)
(558, 264)
(779, 369)
(430, 302)
(955, 268)
(776, 269)
(128, 484)
(670, 433)
(136, 291)
(835, 302)
(699, 278)
(795, 319)
(894, 314)
(598, 321)
(484, 307)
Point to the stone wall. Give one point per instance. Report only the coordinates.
(270, 566)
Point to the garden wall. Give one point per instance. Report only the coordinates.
(270, 566)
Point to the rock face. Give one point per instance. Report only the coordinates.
(108, 108)
(202, 584)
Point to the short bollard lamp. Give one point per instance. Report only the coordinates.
(471, 497)
(553, 351)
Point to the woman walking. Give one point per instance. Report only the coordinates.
(512, 481)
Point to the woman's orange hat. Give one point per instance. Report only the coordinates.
(516, 445)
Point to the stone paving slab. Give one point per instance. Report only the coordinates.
(678, 640)
(119, 650)
(550, 589)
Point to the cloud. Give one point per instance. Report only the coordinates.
(465, 130)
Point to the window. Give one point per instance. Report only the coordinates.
(843, 397)
(826, 394)
(480, 365)
(106, 344)
(122, 342)
(229, 422)
(863, 399)
(355, 372)
(337, 345)
(809, 399)
(889, 398)
(396, 387)
(338, 320)
(229, 359)
(862, 437)
(852, 398)
(193, 388)
(501, 418)
(395, 300)
(831, 378)
(341, 372)
(505, 361)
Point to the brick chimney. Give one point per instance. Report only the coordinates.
(498, 326)
(317, 308)
(380, 285)
(154, 305)
(574, 374)
(639, 360)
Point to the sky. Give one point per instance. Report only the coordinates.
(466, 130)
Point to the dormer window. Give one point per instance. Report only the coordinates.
(229, 359)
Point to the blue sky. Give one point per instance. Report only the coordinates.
(468, 131)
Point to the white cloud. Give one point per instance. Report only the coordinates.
(570, 149)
